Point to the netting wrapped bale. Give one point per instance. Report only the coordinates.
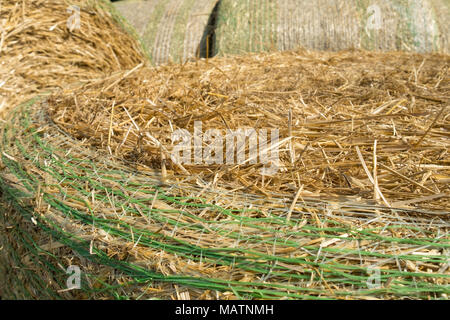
(358, 209)
(174, 30)
(42, 49)
(442, 14)
(411, 25)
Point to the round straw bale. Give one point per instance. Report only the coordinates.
(173, 30)
(46, 45)
(362, 189)
(411, 25)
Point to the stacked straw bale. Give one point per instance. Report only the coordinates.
(175, 30)
(363, 183)
(411, 25)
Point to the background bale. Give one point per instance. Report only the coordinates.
(171, 30)
(412, 25)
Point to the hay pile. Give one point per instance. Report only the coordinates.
(409, 25)
(363, 179)
(39, 52)
(327, 107)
